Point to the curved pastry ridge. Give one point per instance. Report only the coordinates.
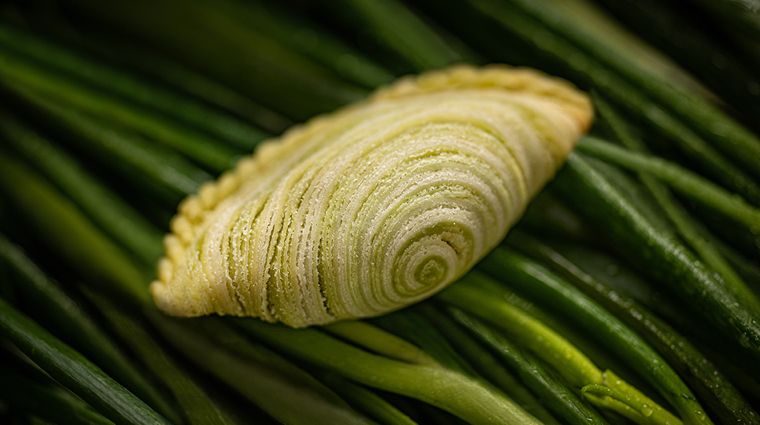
(375, 206)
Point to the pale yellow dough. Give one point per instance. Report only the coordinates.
(375, 206)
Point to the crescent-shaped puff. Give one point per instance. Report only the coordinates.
(375, 206)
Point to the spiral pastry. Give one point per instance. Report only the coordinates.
(373, 207)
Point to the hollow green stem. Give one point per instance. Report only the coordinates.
(45, 402)
(584, 187)
(74, 371)
(366, 401)
(262, 69)
(182, 108)
(539, 283)
(149, 165)
(398, 28)
(281, 396)
(543, 342)
(18, 70)
(622, 403)
(702, 376)
(721, 130)
(562, 401)
(577, 369)
(65, 317)
(308, 40)
(93, 255)
(111, 213)
(678, 178)
(199, 409)
(692, 231)
(415, 328)
(430, 383)
(487, 364)
(379, 341)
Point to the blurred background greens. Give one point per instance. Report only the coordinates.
(637, 267)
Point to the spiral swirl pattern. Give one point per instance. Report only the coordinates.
(373, 207)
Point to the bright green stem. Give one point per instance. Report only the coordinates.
(487, 365)
(708, 383)
(379, 341)
(541, 340)
(630, 396)
(366, 401)
(621, 402)
(329, 385)
(17, 70)
(552, 391)
(678, 178)
(285, 399)
(430, 383)
(110, 212)
(577, 337)
(74, 371)
(714, 125)
(63, 229)
(538, 283)
(526, 331)
(693, 231)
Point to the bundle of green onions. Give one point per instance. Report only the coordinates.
(627, 292)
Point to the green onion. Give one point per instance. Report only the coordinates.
(36, 399)
(425, 380)
(666, 26)
(146, 164)
(194, 33)
(19, 71)
(366, 401)
(74, 371)
(722, 131)
(100, 261)
(574, 366)
(69, 320)
(693, 232)
(110, 212)
(156, 98)
(398, 28)
(678, 178)
(282, 397)
(199, 409)
(308, 40)
(487, 365)
(709, 384)
(593, 195)
(539, 283)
